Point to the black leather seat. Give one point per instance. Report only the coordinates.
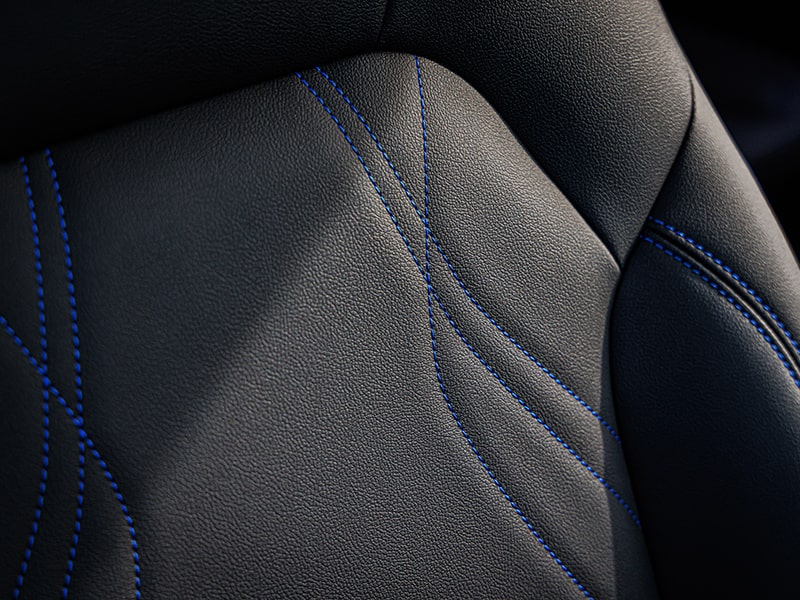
(486, 306)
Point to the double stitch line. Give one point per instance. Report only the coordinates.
(90, 445)
(425, 221)
(432, 294)
(491, 370)
(731, 300)
(735, 276)
(470, 296)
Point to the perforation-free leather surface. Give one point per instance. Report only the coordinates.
(401, 327)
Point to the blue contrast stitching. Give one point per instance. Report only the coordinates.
(422, 271)
(363, 166)
(84, 436)
(731, 300)
(45, 393)
(78, 379)
(474, 301)
(539, 419)
(485, 466)
(437, 367)
(781, 325)
(470, 347)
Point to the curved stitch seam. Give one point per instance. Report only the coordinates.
(470, 296)
(421, 269)
(76, 353)
(486, 365)
(485, 466)
(736, 277)
(731, 300)
(437, 367)
(84, 435)
(45, 392)
(539, 419)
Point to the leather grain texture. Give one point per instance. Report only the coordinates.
(706, 378)
(258, 333)
(491, 308)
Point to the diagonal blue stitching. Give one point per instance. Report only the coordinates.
(773, 315)
(539, 419)
(486, 365)
(437, 367)
(433, 292)
(453, 271)
(363, 166)
(731, 300)
(45, 392)
(77, 421)
(465, 341)
(76, 533)
(480, 458)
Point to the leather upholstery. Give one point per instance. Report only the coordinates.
(384, 328)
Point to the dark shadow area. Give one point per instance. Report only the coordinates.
(748, 60)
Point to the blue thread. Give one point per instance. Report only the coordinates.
(481, 460)
(425, 272)
(466, 342)
(85, 438)
(78, 372)
(732, 301)
(363, 166)
(425, 275)
(474, 301)
(537, 418)
(752, 292)
(45, 392)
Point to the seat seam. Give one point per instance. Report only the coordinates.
(730, 299)
(481, 359)
(432, 326)
(78, 423)
(470, 296)
(485, 363)
(432, 292)
(736, 277)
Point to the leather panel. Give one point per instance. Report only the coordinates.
(706, 389)
(257, 358)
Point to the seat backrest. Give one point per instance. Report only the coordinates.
(367, 299)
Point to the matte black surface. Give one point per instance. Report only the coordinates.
(709, 412)
(297, 383)
(72, 68)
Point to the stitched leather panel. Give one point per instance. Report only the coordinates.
(256, 354)
(598, 92)
(706, 388)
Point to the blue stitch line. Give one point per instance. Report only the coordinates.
(45, 393)
(425, 272)
(453, 271)
(538, 419)
(454, 414)
(732, 301)
(77, 421)
(773, 315)
(78, 371)
(425, 276)
(483, 463)
(471, 348)
(363, 166)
